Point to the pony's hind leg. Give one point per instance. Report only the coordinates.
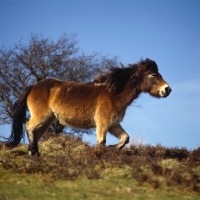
(120, 133)
(35, 129)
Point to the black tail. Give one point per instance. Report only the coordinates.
(18, 119)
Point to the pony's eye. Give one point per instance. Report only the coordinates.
(152, 75)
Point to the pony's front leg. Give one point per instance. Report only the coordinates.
(101, 139)
(101, 136)
(120, 133)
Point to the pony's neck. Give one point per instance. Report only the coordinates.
(127, 96)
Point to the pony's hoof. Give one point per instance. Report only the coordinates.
(33, 154)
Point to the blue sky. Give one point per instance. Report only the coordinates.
(165, 31)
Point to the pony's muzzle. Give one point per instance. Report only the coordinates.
(166, 91)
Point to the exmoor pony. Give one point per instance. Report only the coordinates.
(101, 103)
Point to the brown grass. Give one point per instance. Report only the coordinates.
(69, 158)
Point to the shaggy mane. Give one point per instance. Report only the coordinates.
(116, 78)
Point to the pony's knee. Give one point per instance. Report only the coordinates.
(124, 139)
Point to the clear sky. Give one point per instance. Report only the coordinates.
(165, 31)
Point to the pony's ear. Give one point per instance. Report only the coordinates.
(147, 60)
(151, 64)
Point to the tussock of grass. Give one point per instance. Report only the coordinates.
(61, 145)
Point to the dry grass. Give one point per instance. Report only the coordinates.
(57, 145)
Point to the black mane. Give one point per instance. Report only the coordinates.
(116, 78)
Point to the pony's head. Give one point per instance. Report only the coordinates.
(140, 77)
(150, 80)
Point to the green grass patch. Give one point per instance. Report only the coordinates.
(14, 186)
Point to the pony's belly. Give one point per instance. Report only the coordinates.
(83, 125)
(76, 122)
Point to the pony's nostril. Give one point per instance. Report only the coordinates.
(168, 90)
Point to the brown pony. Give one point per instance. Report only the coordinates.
(101, 104)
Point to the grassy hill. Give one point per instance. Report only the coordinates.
(69, 168)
